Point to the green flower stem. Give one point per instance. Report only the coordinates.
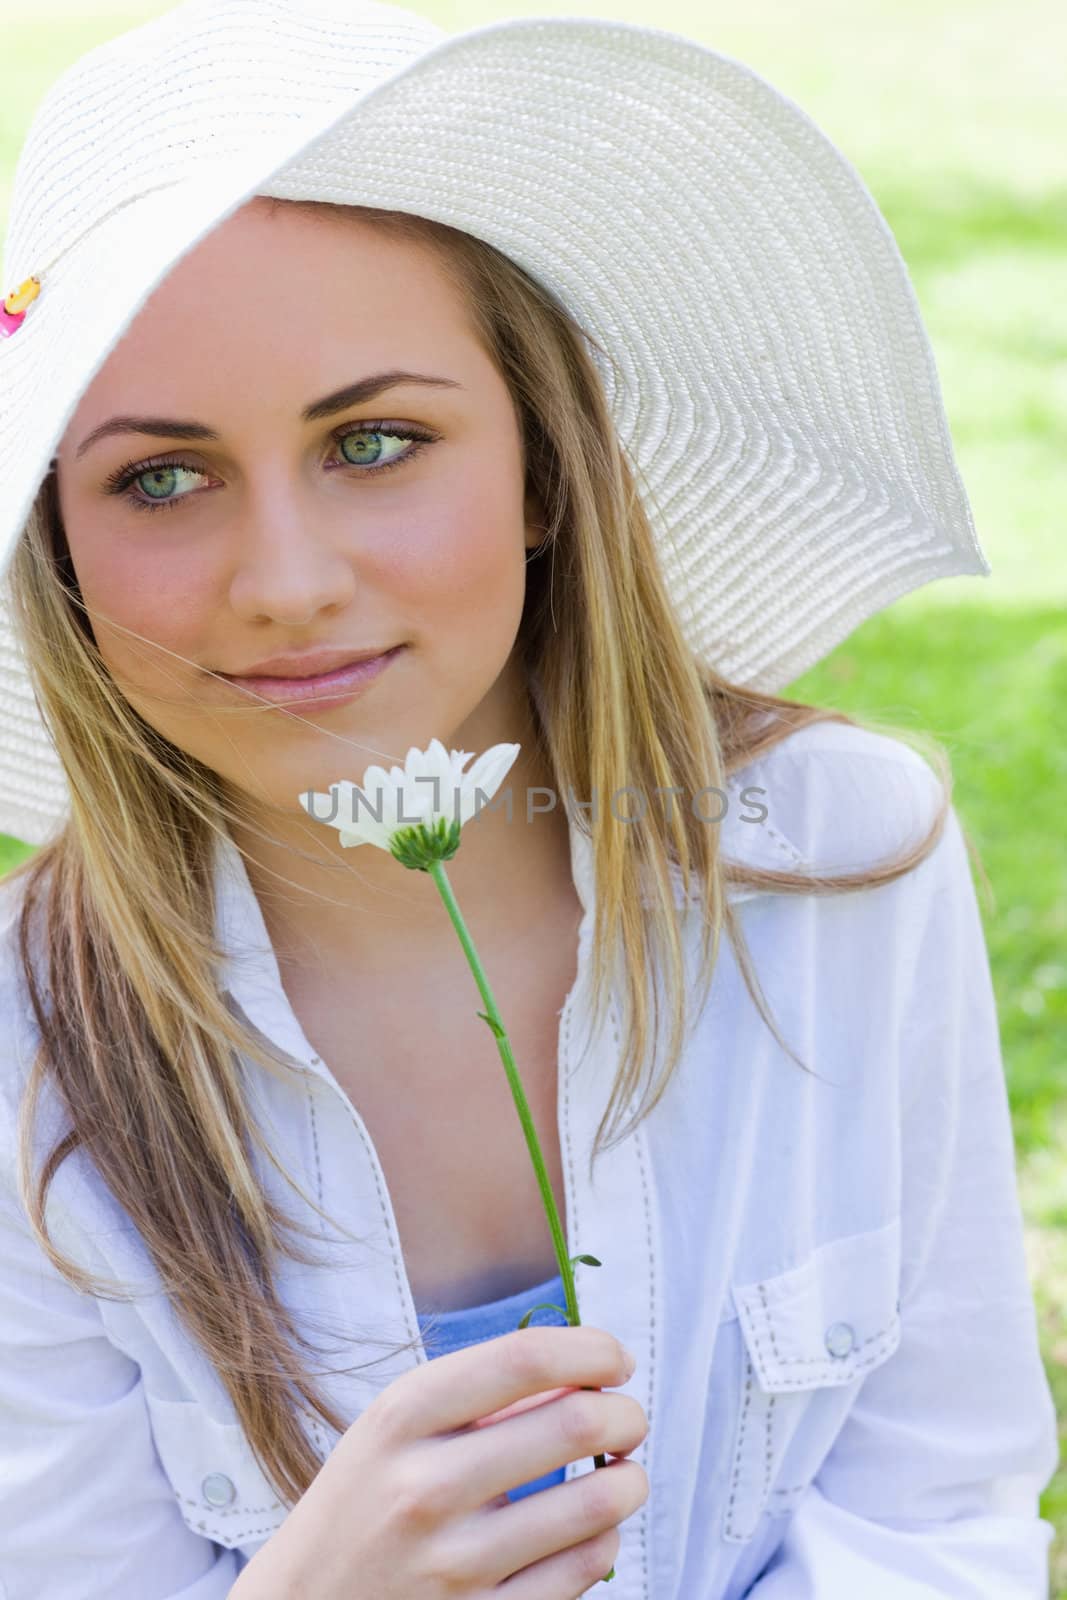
(492, 1016)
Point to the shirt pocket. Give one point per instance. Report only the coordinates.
(220, 1488)
(807, 1339)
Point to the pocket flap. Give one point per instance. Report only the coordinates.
(829, 1319)
(220, 1487)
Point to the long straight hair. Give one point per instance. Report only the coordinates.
(135, 1034)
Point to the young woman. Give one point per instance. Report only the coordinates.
(565, 369)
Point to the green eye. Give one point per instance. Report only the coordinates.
(360, 448)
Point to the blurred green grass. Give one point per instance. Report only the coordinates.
(954, 113)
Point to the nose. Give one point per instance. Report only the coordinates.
(291, 562)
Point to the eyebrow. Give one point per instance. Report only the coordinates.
(353, 394)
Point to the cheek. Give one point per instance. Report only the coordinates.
(463, 557)
(133, 596)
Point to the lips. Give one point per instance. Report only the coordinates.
(311, 664)
(320, 688)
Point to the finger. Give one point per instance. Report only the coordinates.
(452, 1390)
(527, 1403)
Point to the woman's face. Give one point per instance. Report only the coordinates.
(275, 535)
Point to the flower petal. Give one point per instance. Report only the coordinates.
(487, 774)
(437, 758)
(372, 811)
(490, 769)
(353, 836)
(415, 762)
(316, 804)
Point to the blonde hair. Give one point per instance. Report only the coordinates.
(139, 1041)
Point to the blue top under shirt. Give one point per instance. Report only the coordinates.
(454, 1330)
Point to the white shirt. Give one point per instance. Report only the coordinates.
(822, 1276)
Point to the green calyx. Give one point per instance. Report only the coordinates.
(420, 845)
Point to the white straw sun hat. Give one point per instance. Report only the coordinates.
(771, 380)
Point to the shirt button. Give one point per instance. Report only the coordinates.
(217, 1489)
(839, 1338)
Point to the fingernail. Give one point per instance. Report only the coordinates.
(629, 1362)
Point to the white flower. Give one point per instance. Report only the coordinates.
(415, 811)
